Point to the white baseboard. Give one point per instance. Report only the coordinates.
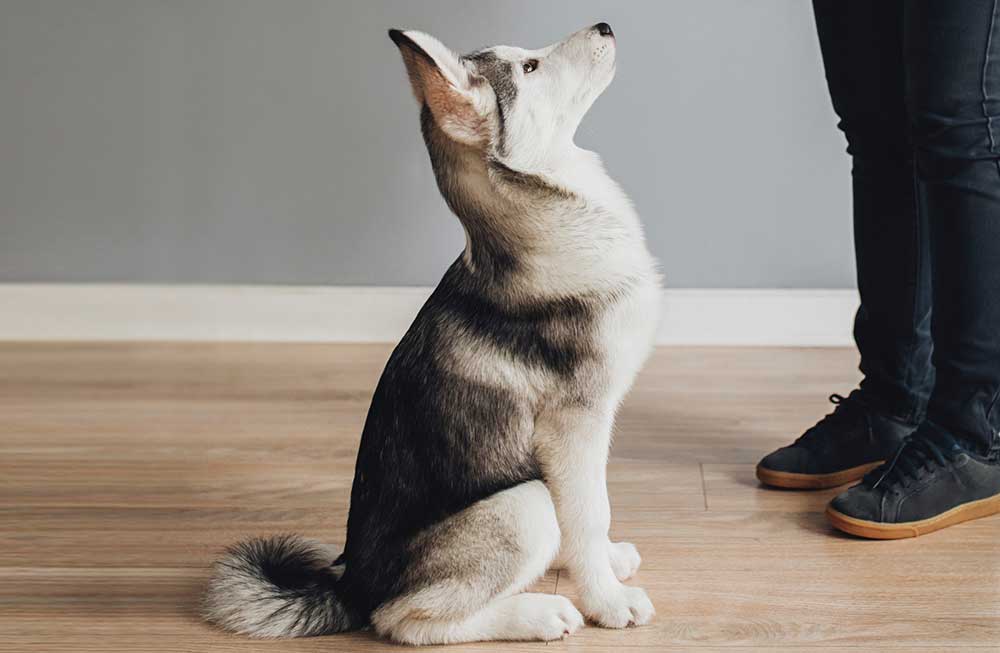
(104, 312)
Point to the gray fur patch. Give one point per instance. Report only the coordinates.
(500, 74)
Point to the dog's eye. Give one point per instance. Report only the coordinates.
(530, 66)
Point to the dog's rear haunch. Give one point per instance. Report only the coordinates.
(483, 457)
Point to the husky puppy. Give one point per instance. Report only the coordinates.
(484, 453)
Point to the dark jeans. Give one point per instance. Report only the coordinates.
(916, 85)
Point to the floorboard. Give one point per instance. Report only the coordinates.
(125, 468)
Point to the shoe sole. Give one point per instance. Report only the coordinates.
(879, 531)
(791, 480)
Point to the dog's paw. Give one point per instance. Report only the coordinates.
(625, 559)
(544, 617)
(622, 607)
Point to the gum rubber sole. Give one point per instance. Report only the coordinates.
(885, 531)
(791, 480)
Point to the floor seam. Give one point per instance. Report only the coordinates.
(704, 491)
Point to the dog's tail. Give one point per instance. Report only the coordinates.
(281, 586)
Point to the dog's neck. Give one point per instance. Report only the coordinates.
(565, 228)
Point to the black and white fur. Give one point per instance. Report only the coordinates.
(483, 456)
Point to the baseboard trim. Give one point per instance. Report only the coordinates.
(131, 312)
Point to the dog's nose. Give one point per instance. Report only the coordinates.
(604, 29)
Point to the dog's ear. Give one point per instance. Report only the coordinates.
(441, 82)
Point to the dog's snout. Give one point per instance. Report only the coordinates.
(604, 29)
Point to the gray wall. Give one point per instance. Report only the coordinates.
(267, 141)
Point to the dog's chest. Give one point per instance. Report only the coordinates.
(626, 335)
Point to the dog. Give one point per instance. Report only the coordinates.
(483, 458)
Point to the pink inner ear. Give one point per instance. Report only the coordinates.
(453, 110)
(447, 103)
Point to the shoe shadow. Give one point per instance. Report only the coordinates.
(816, 522)
(808, 505)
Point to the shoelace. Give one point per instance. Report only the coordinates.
(915, 454)
(844, 408)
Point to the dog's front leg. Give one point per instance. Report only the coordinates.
(572, 447)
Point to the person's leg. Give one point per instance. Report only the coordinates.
(949, 471)
(862, 46)
(953, 55)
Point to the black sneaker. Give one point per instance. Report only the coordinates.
(845, 445)
(932, 482)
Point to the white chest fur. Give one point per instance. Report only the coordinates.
(613, 250)
(627, 332)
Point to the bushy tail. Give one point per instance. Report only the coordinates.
(282, 586)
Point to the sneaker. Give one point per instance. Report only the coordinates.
(931, 483)
(844, 446)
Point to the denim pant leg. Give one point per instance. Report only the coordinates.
(862, 45)
(952, 58)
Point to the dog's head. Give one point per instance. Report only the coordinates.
(520, 107)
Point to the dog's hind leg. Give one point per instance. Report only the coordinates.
(467, 570)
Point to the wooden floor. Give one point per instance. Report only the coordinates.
(125, 468)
